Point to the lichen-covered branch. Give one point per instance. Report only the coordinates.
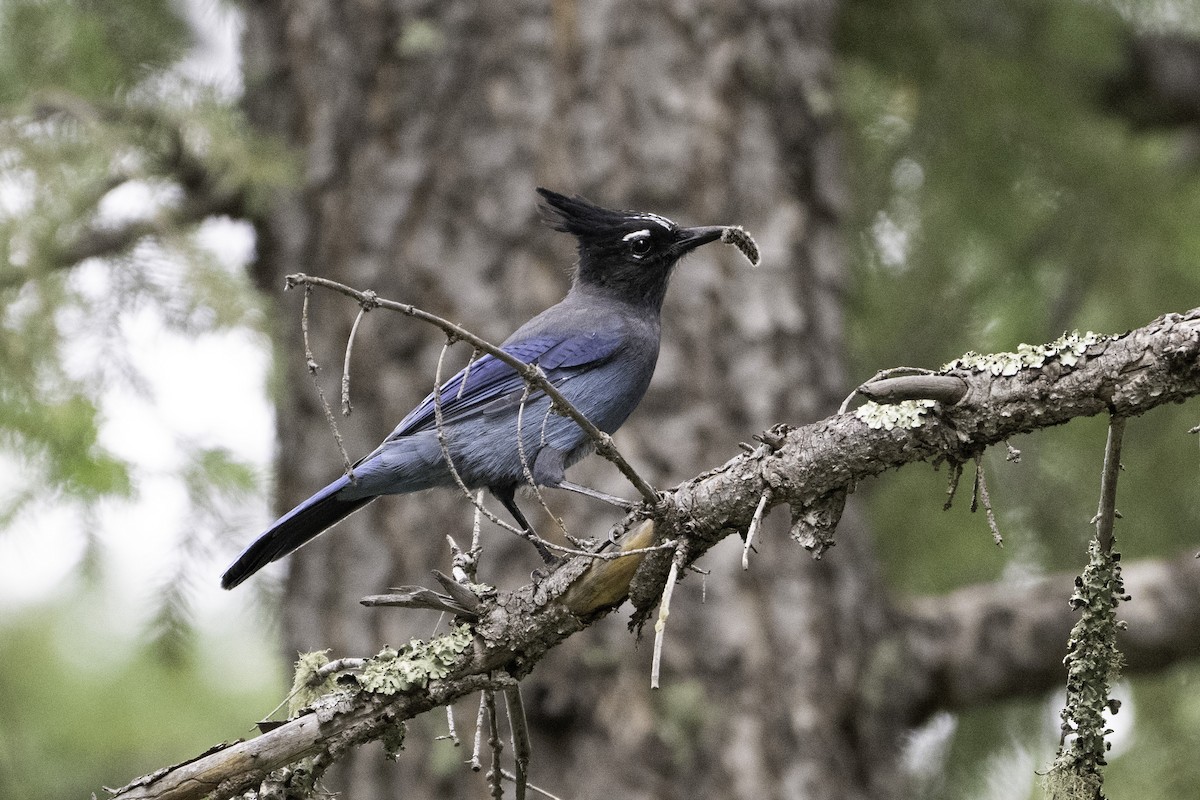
(1093, 661)
(810, 467)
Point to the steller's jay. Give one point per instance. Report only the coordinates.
(598, 346)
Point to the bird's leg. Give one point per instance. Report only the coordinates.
(507, 495)
(611, 499)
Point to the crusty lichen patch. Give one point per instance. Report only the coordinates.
(905, 414)
(388, 672)
(415, 664)
(1066, 349)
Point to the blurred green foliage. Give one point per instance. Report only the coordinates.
(999, 201)
(92, 105)
(83, 705)
(91, 48)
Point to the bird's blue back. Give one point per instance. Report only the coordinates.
(600, 357)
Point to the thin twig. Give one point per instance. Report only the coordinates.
(462, 387)
(755, 522)
(605, 556)
(664, 611)
(465, 564)
(494, 744)
(476, 525)
(458, 558)
(956, 472)
(1106, 514)
(519, 729)
(287, 699)
(471, 560)
(312, 370)
(476, 761)
(346, 406)
(526, 468)
(451, 731)
(669, 544)
(508, 776)
(334, 667)
(528, 372)
(981, 495)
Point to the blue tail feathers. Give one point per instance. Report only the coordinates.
(294, 529)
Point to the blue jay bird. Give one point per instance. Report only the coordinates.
(598, 346)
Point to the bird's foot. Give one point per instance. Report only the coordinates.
(541, 573)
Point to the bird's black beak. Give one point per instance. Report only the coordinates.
(691, 238)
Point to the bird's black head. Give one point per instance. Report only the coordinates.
(628, 253)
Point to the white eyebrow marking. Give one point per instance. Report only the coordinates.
(636, 235)
(666, 223)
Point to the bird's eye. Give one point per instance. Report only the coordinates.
(639, 246)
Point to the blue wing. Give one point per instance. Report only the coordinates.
(489, 378)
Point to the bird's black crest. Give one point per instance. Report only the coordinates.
(583, 218)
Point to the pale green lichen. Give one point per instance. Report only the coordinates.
(388, 672)
(414, 664)
(905, 414)
(305, 686)
(1067, 349)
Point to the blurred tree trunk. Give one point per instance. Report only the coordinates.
(423, 130)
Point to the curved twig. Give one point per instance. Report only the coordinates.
(313, 367)
(363, 309)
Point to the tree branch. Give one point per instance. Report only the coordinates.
(803, 467)
(98, 241)
(206, 191)
(992, 642)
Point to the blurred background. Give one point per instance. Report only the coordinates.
(924, 180)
